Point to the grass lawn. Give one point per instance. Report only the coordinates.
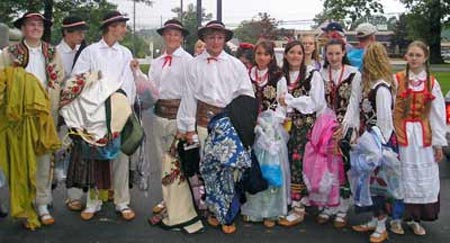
(444, 81)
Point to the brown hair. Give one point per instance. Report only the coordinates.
(315, 55)
(274, 71)
(285, 68)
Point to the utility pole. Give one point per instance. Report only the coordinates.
(181, 11)
(199, 13)
(219, 10)
(134, 27)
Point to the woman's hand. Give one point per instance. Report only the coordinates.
(282, 100)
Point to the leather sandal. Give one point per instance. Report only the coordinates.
(417, 228)
(74, 204)
(46, 219)
(213, 221)
(363, 227)
(88, 213)
(378, 237)
(229, 229)
(322, 218)
(159, 207)
(269, 223)
(340, 222)
(396, 227)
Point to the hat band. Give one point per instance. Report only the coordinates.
(34, 14)
(173, 25)
(74, 24)
(113, 18)
(215, 25)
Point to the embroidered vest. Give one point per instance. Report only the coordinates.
(411, 106)
(369, 108)
(266, 95)
(20, 57)
(338, 96)
(303, 88)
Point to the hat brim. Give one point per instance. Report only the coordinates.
(123, 19)
(19, 22)
(203, 30)
(160, 31)
(75, 28)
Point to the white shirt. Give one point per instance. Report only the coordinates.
(383, 100)
(351, 117)
(216, 83)
(67, 55)
(170, 79)
(306, 104)
(36, 63)
(112, 61)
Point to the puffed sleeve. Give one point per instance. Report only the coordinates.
(307, 104)
(438, 117)
(351, 117)
(188, 107)
(384, 112)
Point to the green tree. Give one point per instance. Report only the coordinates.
(353, 9)
(261, 26)
(189, 19)
(425, 22)
(400, 38)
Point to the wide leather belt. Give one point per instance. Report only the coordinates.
(167, 108)
(205, 112)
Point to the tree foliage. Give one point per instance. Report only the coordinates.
(189, 20)
(353, 9)
(425, 22)
(261, 26)
(400, 38)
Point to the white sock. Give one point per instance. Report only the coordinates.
(42, 209)
(381, 225)
(373, 222)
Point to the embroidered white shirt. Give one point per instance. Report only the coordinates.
(215, 82)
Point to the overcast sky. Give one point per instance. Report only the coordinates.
(234, 11)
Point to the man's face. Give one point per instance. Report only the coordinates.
(33, 29)
(75, 37)
(118, 30)
(172, 38)
(215, 41)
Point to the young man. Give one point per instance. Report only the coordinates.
(167, 75)
(335, 31)
(42, 61)
(113, 61)
(365, 33)
(73, 30)
(215, 78)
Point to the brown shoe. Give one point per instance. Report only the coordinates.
(269, 223)
(290, 220)
(363, 228)
(213, 221)
(88, 213)
(377, 237)
(229, 229)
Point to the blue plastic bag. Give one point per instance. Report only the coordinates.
(270, 167)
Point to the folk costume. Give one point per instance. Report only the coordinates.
(212, 83)
(305, 100)
(343, 95)
(44, 64)
(270, 149)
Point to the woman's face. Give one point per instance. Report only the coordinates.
(262, 57)
(334, 55)
(294, 57)
(308, 44)
(415, 57)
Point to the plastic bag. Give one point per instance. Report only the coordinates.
(270, 167)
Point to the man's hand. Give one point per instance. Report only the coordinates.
(190, 137)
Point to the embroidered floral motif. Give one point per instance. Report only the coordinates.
(270, 92)
(175, 173)
(73, 89)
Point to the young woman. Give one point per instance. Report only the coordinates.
(419, 120)
(303, 96)
(376, 110)
(311, 51)
(343, 94)
(269, 205)
(199, 47)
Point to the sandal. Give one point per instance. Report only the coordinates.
(213, 221)
(46, 219)
(159, 207)
(292, 219)
(89, 212)
(74, 204)
(378, 237)
(323, 218)
(127, 213)
(229, 229)
(417, 228)
(396, 227)
(269, 223)
(366, 227)
(340, 221)
(156, 219)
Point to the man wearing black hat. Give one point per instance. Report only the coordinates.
(43, 61)
(168, 75)
(73, 30)
(215, 78)
(113, 61)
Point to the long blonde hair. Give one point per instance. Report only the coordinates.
(376, 66)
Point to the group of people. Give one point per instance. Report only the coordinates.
(266, 142)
